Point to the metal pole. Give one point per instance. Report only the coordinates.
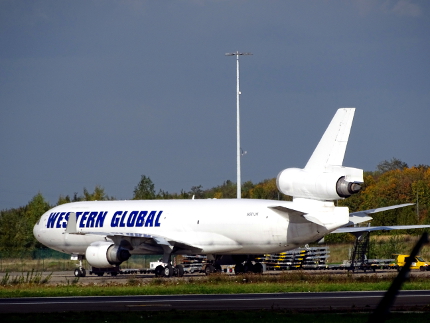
(239, 183)
(238, 149)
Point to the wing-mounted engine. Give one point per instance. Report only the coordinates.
(334, 183)
(105, 254)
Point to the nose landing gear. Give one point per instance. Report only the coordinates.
(80, 271)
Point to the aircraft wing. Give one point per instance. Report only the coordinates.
(295, 216)
(145, 241)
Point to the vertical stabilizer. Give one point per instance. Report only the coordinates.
(331, 148)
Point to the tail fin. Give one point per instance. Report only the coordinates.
(331, 148)
(324, 178)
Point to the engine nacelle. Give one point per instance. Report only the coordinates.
(334, 183)
(105, 254)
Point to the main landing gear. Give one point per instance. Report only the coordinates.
(248, 267)
(169, 271)
(243, 264)
(212, 269)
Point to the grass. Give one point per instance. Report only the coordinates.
(57, 264)
(30, 278)
(296, 281)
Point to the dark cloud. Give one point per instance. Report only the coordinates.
(99, 93)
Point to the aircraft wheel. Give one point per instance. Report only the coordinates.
(168, 271)
(218, 268)
(258, 268)
(239, 269)
(100, 274)
(179, 270)
(80, 272)
(248, 268)
(159, 270)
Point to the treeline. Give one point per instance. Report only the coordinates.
(392, 183)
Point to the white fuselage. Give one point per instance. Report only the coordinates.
(236, 226)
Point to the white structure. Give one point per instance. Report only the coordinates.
(238, 152)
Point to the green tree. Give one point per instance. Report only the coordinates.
(145, 189)
(16, 226)
(246, 189)
(197, 192)
(392, 164)
(63, 199)
(33, 211)
(224, 191)
(98, 195)
(13, 232)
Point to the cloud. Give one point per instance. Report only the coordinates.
(404, 8)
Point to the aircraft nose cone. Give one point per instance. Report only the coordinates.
(36, 230)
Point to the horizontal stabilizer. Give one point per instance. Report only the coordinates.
(363, 216)
(382, 228)
(380, 209)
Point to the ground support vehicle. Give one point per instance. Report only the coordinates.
(417, 263)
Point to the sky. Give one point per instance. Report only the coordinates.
(102, 92)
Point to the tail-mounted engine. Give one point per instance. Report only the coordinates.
(106, 254)
(334, 183)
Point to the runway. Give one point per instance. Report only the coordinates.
(299, 302)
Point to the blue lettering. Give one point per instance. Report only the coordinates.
(122, 223)
(124, 219)
(83, 219)
(90, 221)
(132, 218)
(101, 219)
(51, 220)
(150, 219)
(141, 218)
(66, 218)
(78, 214)
(60, 218)
(157, 220)
(115, 219)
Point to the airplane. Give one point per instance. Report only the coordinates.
(107, 233)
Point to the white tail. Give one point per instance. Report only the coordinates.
(332, 146)
(324, 178)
